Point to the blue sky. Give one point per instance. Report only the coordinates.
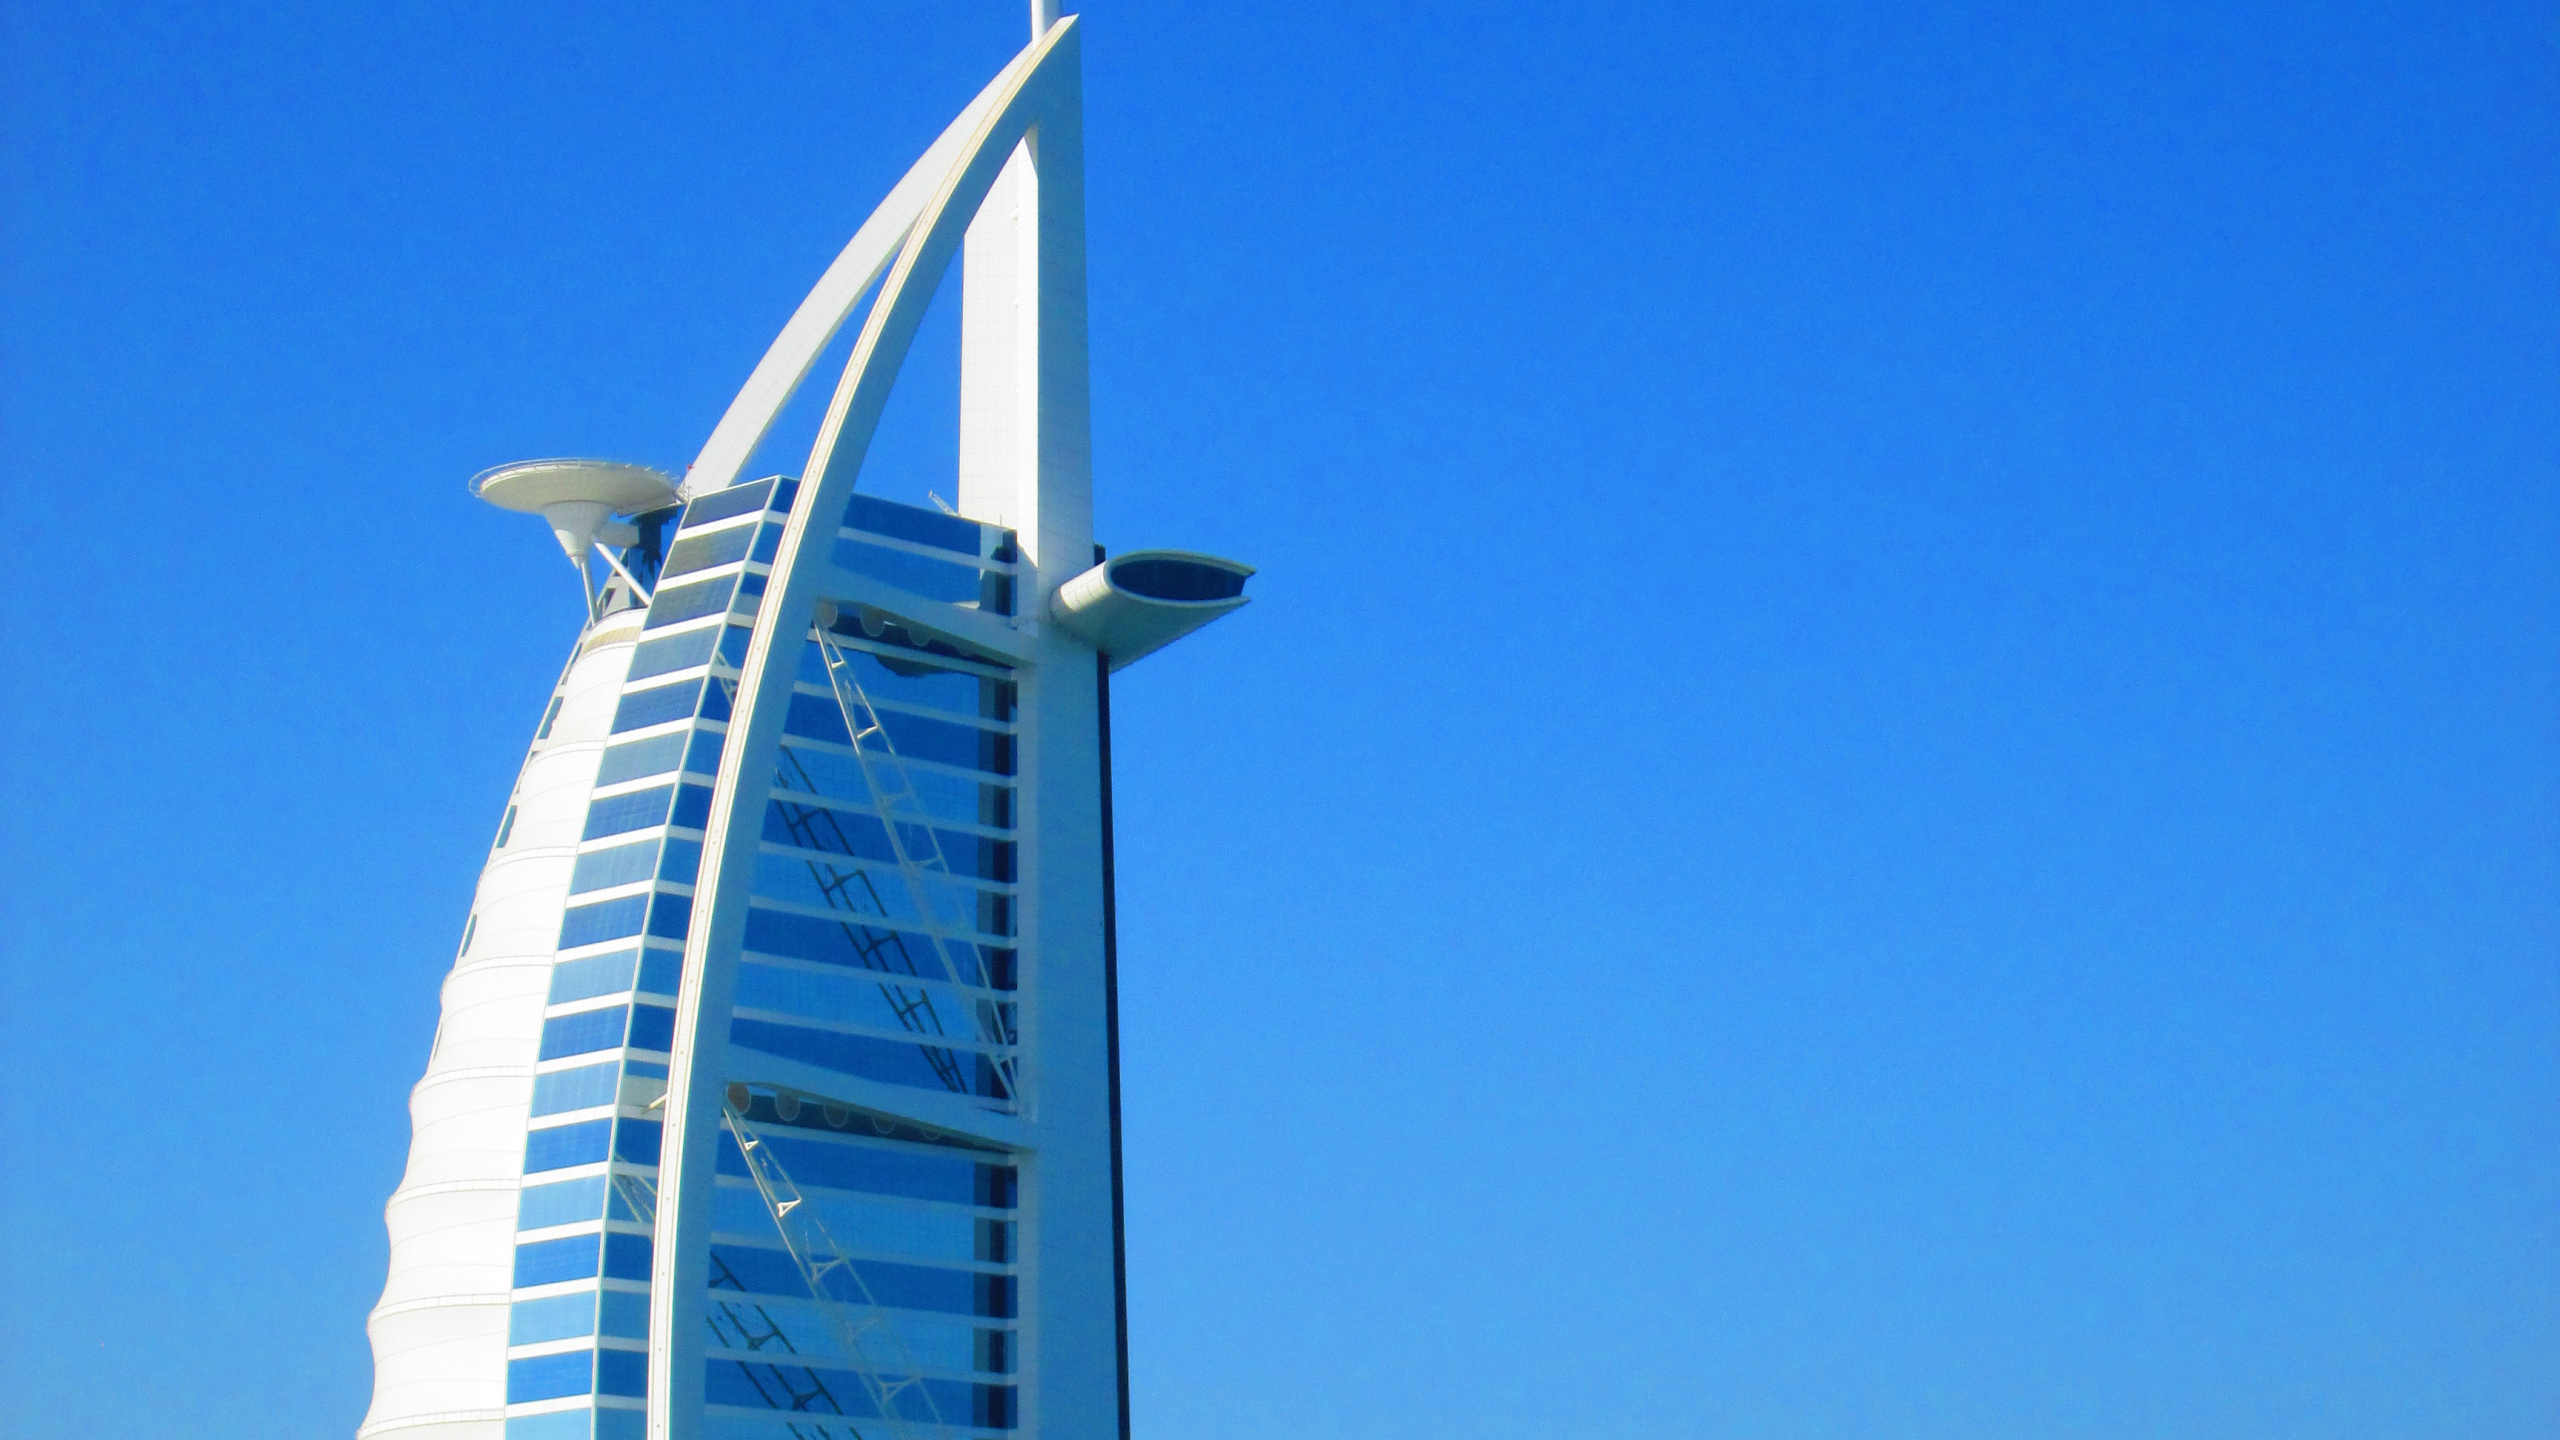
(1894, 773)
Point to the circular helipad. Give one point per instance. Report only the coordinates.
(530, 485)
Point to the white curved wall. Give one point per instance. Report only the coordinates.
(440, 1330)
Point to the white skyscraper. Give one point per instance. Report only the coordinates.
(775, 1092)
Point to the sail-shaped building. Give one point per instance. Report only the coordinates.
(775, 1090)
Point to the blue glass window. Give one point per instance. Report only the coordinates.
(672, 652)
(916, 737)
(691, 602)
(562, 1146)
(721, 504)
(658, 971)
(548, 1262)
(704, 756)
(693, 806)
(553, 1317)
(643, 708)
(635, 758)
(605, 920)
(820, 1164)
(669, 917)
(914, 523)
(702, 552)
(683, 861)
(506, 828)
(580, 1424)
(585, 1088)
(604, 869)
(653, 1027)
(550, 715)
(564, 1202)
(624, 1314)
(917, 574)
(590, 976)
(622, 1372)
(549, 1377)
(620, 814)
(584, 1032)
(626, 1257)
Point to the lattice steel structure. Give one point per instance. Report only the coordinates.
(775, 1092)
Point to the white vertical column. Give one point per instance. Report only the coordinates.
(1026, 462)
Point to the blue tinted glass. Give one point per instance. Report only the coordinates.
(768, 543)
(586, 1031)
(669, 917)
(643, 708)
(911, 522)
(605, 920)
(506, 827)
(553, 1317)
(672, 652)
(913, 682)
(704, 757)
(581, 1089)
(549, 1377)
(603, 869)
(624, 1372)
(557, 1425)
(585, 979)
(653, 1027)
(620, 814)
(565, 1202)
(834, 1165)
(721, 504)
(634, 1424)
(683, 860)
(693, 806)
(562, 1146)
(702, 552)
(633, 759)
(658, 971)
(917, 574)
(690, 602)
(915, 737)
(548, 1262)
(626, 1257)
(716, 697)
(624, 1314)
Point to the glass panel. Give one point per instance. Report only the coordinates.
(607, 920)
(634, 759)
(562, 1146)
(560, 1091)
(554, 1425)
(584, 1032)
(810, 769)
(565, 1202)
(683, 861)
(621, 865)
(912, 682)
(672, 652)
(624, 1313)
(548, 1262)
(721, 504)
(620, 814)
(622, 1372)
(553, 1317)
(690, 602)
(917, 574)
(591, 976)
(643, 708)
(549, 1377)
(914, 523)
(701, 552)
